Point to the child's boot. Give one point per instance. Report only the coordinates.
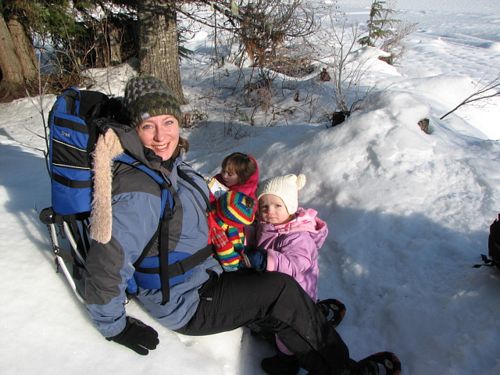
(383, 363)
(281, 364)
(333, 310)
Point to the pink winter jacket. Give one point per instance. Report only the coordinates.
(292, 248)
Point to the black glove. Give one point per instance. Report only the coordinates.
(257, 259)
(137, 336)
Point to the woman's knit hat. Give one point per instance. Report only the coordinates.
(235, 209)
(148, 96)
(284, 187)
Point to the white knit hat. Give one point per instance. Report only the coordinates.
(284, 187)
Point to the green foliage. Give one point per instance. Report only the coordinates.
(61, 26)
(184, 52)
(50, 22)
(43, 17)
(379, 24)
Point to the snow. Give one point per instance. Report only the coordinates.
(408, 212)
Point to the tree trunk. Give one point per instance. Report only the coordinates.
(9, 62)
(158, 50)
(115, 45)
(24, 49)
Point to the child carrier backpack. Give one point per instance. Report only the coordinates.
(73, 131)
(493, 257)
(72, 138)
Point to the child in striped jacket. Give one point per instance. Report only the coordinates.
(234, 207)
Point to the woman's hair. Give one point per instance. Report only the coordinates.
(241, 164)
(182, 146)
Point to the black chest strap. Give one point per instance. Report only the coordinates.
(181, 267)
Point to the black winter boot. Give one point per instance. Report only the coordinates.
(333, 310)
(281, 364)
(383, 363)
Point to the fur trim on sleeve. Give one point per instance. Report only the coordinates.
(108, 147)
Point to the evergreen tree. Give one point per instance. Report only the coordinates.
(379, 24)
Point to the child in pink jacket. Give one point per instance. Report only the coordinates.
(288, 239)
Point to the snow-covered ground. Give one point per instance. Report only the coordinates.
(408, 212)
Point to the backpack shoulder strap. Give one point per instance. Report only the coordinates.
(190, 180)
(166, 270)
(162, 233)
(166, 196)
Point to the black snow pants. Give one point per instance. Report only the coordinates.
(270, 299)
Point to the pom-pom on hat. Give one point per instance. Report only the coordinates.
(284, 187)
(236, 209)
(148, 96)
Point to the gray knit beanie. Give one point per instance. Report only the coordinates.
(146, 97)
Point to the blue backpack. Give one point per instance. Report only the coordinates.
(73, 132)
(72, 139)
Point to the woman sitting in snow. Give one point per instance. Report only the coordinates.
(204, 300)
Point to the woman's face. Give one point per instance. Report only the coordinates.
(272, 210)
(160, 134)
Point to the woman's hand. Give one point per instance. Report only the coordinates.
(137, 336)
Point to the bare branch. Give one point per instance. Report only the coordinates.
(480, 94)
(346, 73)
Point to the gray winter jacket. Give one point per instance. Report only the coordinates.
(124, 222)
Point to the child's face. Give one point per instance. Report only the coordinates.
(229, 177)
(272, 209)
